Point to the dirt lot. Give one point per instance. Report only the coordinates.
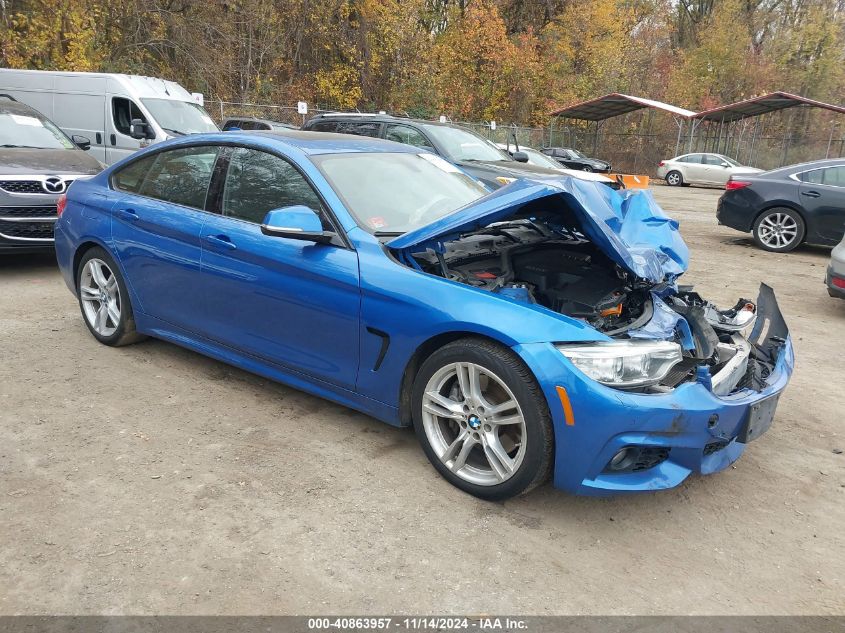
(150, 479)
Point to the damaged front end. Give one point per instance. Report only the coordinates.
(612, 260)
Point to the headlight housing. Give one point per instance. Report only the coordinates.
(624, 364)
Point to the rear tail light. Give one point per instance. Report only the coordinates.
(661, 164)
(736, 184)
(838, 282)
(61, 203)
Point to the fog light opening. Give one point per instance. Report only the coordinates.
(632, 459)
(623, 459)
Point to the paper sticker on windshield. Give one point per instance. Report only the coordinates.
(26, 120)
(445, 165)
(377, 222)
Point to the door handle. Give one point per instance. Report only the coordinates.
(221, 240)
(128, 214)
(811, 194)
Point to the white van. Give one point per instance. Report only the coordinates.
(103, 107)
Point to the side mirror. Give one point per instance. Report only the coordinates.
(724, 165)
(140, 129)
(520, 157)
(296, 223)
(82, 142)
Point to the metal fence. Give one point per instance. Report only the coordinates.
(629, 152)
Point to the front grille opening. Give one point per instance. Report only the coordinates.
(28, 212)
(632, 459)
(22, 186)
(27, 230)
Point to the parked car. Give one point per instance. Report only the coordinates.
(786, 207)
(104, 106)
(254, 123)
(38, 162)
(701, 169)
(573, 159)
(474, 154)
(533, 330)
(835, 278)
(538, 159)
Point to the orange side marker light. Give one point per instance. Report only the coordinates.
(567, 406)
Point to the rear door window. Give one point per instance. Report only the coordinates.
(359, 128)
(123, 111)
(181, 176)
(258, 182)
(834, 176)
(692, 158)
(407, 135)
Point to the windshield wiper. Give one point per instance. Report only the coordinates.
(388, 233)
(172, 131)
(22, 146)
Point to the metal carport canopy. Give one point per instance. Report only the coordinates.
(615, 104)
(761, 105)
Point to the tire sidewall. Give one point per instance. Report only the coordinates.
(536, 462)
(126, 325)
(799, 238)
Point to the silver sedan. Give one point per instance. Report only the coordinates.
(835, 278)
(701, 169)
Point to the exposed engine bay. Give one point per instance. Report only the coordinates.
(561, 270)
(565, 273)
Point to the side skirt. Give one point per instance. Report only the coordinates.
(159, 329)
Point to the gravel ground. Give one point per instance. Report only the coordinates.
(151, 480)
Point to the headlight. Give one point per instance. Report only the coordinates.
(624, 363)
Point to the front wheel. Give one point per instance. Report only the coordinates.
(482, 419)
(779, 230)
(586, 168)
(104, 300)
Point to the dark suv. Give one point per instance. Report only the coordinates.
(474, 154)
(37, 164)
(254, 123)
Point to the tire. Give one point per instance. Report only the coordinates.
(520, 431)
(674, 178)
(104, 296)
(778, 230)
(586, 168)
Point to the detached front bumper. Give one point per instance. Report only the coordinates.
(688, 430)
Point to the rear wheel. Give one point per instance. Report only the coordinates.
(779, 230)
(104, 300)
(482, 420)
(674, 179)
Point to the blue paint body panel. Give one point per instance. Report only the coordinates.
(315, 316)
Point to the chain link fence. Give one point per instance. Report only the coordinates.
(628, 152)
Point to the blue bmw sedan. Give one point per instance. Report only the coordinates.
(533, 332)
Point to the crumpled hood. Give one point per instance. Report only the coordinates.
(627, 225)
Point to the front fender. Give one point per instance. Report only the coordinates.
(402, 308)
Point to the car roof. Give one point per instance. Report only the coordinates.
(799, 167)
(315, 143)
(381, 118)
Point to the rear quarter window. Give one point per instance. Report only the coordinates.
(131, 177)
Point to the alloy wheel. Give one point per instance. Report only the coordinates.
(777, 230)
(673, 178)
(100, 296)
(474, 423)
